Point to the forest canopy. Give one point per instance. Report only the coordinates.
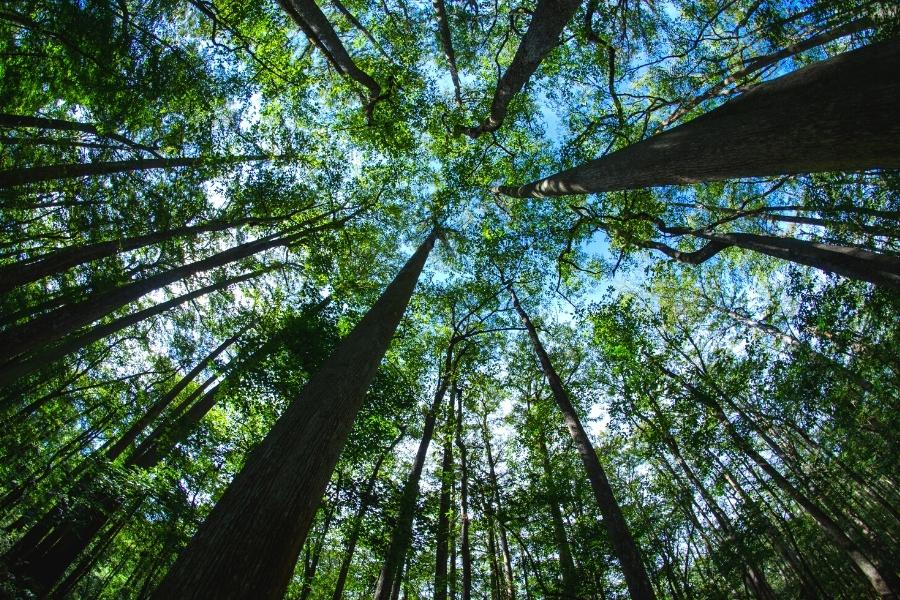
(539, 299)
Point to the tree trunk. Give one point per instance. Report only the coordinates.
(14, 370)
(443, 530)
(465, 549)
(547, 23)
(880, 577)
(623, 543)
(440, 12)
(309, 569)
(509, 584)
(364, 503)
(66, 319)
(249, 544)
(402, 534)
(24, 121)
(58, 261)
(567, 572)
(834, 115)
(311, 19)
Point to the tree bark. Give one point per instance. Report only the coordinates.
(547, 23)
(834, 115)
(249, 544)
(15, 369)
(66, 319)
(567, 572)
(311, 19)
(880, 577)
(509, 583)
(440, 12)
(58, 261)
(402, 533)
(364, 504)
(443, 530)
(465, 548)
(623, 543)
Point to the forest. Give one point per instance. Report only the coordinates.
(449, 299)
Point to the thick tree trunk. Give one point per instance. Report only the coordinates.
(834, 115)
(465, 548)
(58, 261)
(623, 543)
(881, 578)
(547, 23)
(310, 18)
(249, 544)
(853, 263)
(66, 319)
(13, 370)
(364, 503)
(443, 530)
(402, 534)
(567, 571)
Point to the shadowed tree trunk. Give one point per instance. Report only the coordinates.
(26, 175)
(883, 581)
(30, 122)
(310, 18)
(509, 583)
(547, 23)
(402, 534)
(440, 12)
(13, 370)
(834, 115)
(568, 574)
(465, 548)
(443, 530)
(66, 319)
(365, 502)
(60, 260)
(623, 543)
(249, 544)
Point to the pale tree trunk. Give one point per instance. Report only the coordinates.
(834, 115)
(547, 23)
(249, 544)
(626, 549)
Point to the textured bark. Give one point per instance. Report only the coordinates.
(547, 23)
(364, 504)
(834, 115)
(443, 530)
(58, 261)
(882, 580)
(465, 548)
(623, 543)
(310, 18)
(13, 370)
(402, 534)
(66, 319)
(249, 544)
(568, 574)
(440, 12)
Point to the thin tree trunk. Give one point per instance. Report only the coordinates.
(9, 121)
(509, 584)
(13, 370)
(443, 530)
(26, 175)
(364, 504)
(440, 12)
(66, 319)
(402, 534)
(880, 577)
(547, 23)
(465, 549)
(309, 571)
(623, 543)
(58, 261)
(311, 19)
(248, 545)
(567, 572)
(834, 115)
